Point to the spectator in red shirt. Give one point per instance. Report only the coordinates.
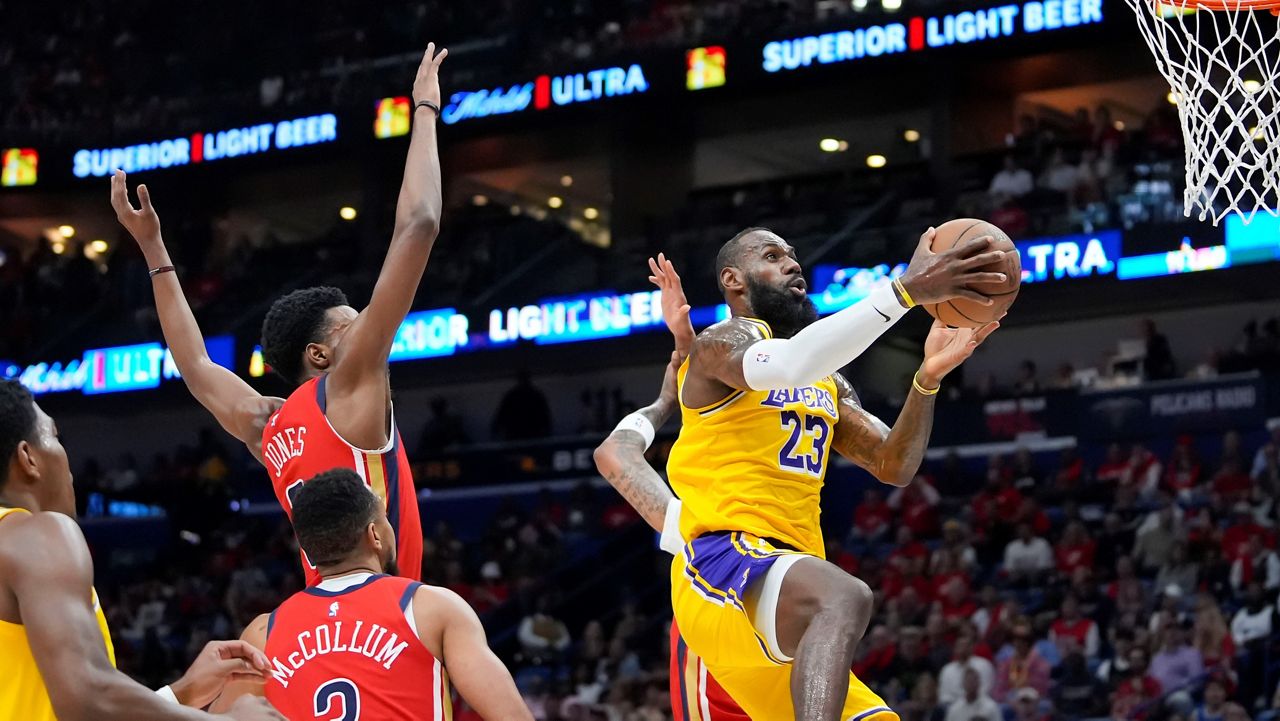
(994, 507)
(1075, 549)
(1136, 693)
(1030, 513)
(876, 657)
(1231, 484)
(1070, 475)
(1182, 474)
(955, 602)
(1115, 467)
(955, 543)
(873, 517)
(1024, 668)
(907, 548)
(943, 569)
(837, 554)
(907, 573)
(1073, 631)
(1237, 535)
(915, 504)
(1144, 471)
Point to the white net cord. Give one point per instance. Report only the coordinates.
(1222, 66)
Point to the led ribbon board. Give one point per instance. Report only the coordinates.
(206, 147)
(927, 32)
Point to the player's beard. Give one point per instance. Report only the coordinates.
(391, 568)
(784, 311)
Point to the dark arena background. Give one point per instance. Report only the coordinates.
(1104, 471)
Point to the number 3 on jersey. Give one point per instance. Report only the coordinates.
(802, 425)
(338, 700)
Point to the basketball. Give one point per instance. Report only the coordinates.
(965, 313)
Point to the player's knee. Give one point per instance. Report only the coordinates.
(855, 597)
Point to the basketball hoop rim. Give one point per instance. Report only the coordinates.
(1224, 5)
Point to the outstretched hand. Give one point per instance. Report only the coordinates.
(675, 306)
(143, 224)
(426, 86)
(935, 277)
(946, 348)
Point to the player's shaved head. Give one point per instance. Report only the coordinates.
(331, 513)
(17, 422)
(731, 253)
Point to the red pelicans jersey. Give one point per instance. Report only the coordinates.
(298, 443)
(347, 649)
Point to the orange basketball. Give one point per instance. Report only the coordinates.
(965, 313)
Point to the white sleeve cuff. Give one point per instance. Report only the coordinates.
(638, 423)
(671, 541)
(166, 693)
(825, 346)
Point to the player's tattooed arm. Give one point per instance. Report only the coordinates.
(892, 455)
(237, 407)
(715, 364)
(620, 458)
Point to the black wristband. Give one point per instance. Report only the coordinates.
(427, 104)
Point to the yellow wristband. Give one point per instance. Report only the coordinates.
(902, 289)
(915, 383)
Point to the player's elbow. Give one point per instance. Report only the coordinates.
(91, 698)
(605, 457)
(421, 224)
(895, 473)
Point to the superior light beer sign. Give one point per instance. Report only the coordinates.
(206, 147)
(922, 33)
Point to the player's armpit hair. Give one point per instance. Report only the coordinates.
(17, 422)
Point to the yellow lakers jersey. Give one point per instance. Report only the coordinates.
(755, 462)
(22, 691)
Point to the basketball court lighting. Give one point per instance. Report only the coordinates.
(479, 199)
(58, 247)
(66, 231)
(566, 180)
(829, 145)
(347, 213)
(590, 213)
(99, 246)
(876, 161)
(555, 201)
(911, 135)
(1252, 86)
(891, 4)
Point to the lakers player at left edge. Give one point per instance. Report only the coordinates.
(339, 414)
(56, 658)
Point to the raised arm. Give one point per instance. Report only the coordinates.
(51, 576)
(893, 455)
(735, 355)
(360, 363)
(620, 458)
(237, 407)
(457, 637)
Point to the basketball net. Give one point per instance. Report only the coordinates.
(1221, 60)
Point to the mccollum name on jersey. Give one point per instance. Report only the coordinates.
(352, 638)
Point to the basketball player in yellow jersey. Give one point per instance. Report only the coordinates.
(762, 407)
(56, 659)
